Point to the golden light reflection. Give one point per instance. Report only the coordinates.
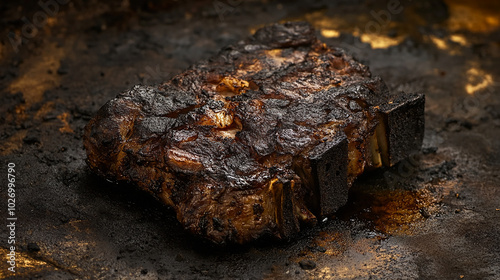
(475, 16)
(322, 21)
(440, 43)
(379, 41)
(333, 27)
(24, 264)
(330, 33)
(459, 39)
(477, 80)
(444, 44)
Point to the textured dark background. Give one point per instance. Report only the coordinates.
(434, 217)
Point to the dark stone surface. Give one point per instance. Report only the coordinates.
(307, 264)
(399, 223)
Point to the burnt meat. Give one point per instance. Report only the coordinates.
(262, 139)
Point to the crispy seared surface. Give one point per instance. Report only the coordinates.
(230, 143)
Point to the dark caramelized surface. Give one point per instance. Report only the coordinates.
(213, 140)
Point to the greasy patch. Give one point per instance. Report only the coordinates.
(396, 212)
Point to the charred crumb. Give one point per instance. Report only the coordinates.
(429, 150)
(33, 247)
(307, 264)
(425, 213)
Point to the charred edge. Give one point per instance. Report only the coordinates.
(329, 168)
(289, 34)
(107, 133)
(287, 222)
(401, 128)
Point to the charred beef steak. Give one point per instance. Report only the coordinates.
(262, 139)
